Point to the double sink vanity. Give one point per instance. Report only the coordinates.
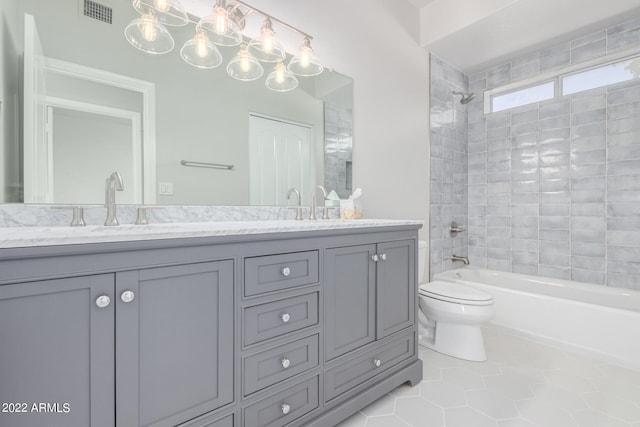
(246, 323)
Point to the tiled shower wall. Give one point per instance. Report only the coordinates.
(338, 148)
(448, 187)
(554, 187)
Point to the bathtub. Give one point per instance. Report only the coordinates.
(598, 321)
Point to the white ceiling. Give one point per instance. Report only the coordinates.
(420, 3)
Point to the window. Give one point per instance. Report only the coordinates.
(602, 76)
(521, 97)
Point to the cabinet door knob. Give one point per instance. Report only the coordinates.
(285, 317)
(285, 363)
(377, 363)
(103, 301)
(286, 271)
(285, 408)
(383, 257)
(127, 296)
(375, 258)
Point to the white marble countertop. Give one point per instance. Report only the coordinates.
(19, 237)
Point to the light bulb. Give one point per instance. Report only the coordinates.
(305, 56)
(149, 31)
(201, 45)
(162, 5)
(222, 17)
(245, 63)
(267, 39)
(280, 72)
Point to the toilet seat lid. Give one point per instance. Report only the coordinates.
(455, 292)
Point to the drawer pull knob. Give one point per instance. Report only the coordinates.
(377, 363)
(285, 408)
(383, 257)
(103, 301)
(286, 271)
(375, 258)
(285, 363)
(285, 317)
(127, 296)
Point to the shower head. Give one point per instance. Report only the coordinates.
(466, 96)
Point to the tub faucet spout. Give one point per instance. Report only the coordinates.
(462, 259)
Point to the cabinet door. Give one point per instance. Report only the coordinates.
(174, 343)
(396, 287)
(56, 353)
(349, 299)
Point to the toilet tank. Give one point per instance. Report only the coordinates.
(423, 247)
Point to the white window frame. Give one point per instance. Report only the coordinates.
(557, 76)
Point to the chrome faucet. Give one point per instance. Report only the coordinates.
(312, 216)
(298, 208)
(111, 185)
(462, 259)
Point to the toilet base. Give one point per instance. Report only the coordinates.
(461, 341)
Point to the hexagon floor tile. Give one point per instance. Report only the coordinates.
(523, 384)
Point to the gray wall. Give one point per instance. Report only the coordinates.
(10, 160)
(448, 164)
(554, 187)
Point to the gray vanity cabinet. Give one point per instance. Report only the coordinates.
(56, 348)
(369, 294)
(174, 343)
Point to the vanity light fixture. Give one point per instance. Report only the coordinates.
(281, 79)
(265, 47)
(244, 67)
(200, 52)
(223, 28)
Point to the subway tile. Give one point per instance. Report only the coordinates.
(624, 153)
(499, 232)
(498, 221)
(555, 122)
(588, 39)
(622, 39)
(588, 236)
(588, 51)
(554, 248)
(588, 196)
(587, 117)
(498, 264)
(623, 167)
(629, 124)
(623, 238)
(524, 117)
(553, 148)
(554, 135)
(524, 129)
(524, 140)
(478, 147)
(623, 267)
(554, 235)
(553, 197)
(621, 111)
(521, 60)
(623, 209)
(594, 169)
(555, 57)
(554, 259)
(498, 253)
(622, 95)
(477, 231)
(524, 186)
(477, 211)
(521, 210)
(479, 221)
(621, 253)
(525, 221)
(555, 222)
(498, 120)
(588, 276)
(588, 209)
(500, 166)
(555, 210)
(589, 249)
(555, 272)
(526, 70)
(629, 223)
(498, 155)
(498, 133)
(587, 130)
(590, 143)
(623, 196)
(499, 177)
(555, 159)
(498, 76)
(588, 263)
(555, 172)
(525, 245)
(499, 187)
(524, 233)
(586, 183)
(498, 243)
(588, 101)
(517, 267)
(555, 184)
(554, 107)
(499, 199)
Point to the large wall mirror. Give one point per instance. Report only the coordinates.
(77, 102)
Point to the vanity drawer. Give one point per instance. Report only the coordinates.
(283, 407)
(264, 321)
(210, 421)
(276, 272)
(346, 375)
(277, 364)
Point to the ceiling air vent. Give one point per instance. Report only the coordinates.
(98, 11)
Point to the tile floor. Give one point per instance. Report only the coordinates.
(523, 384)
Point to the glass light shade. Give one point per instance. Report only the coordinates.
(305, 64)
(244, 67)
(266, 48)
(201, 53)
(281, 79)
(213, 27)
(148, 35)
(168, 12)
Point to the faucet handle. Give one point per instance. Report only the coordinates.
(325, 211)
(142, 215)
(78, 215)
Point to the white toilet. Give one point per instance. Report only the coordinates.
(451, 315)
